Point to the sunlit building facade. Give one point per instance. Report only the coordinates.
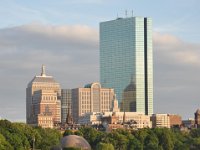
(43, 106)
(91, 98)
(125, 55)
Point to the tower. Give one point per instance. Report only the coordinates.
(43, 101)
(126, 52)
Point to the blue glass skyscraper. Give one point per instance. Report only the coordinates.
(126, 57)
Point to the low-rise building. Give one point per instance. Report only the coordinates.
(160, 120)
(190, 123)
(140, 120)
(175, 120)
(91, 98)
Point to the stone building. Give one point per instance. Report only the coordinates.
(43, 101)
(91, 98)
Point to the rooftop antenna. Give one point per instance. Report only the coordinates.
(126, 13)
(117, 15)
(43, 71)
(132, 13)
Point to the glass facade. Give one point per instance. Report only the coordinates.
(66, 99)
(125, 55)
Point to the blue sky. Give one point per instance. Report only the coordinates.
(63, 35)
(180, 17)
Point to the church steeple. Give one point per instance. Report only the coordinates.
(43, 71)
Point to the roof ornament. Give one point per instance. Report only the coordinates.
(43, 71)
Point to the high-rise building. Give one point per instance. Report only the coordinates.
(66, 99)
(43, 107)
(125, 54)
(91, 98)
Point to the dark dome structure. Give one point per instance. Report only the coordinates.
(75, 142)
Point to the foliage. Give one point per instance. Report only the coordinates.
(104, 146)
(68, 132)
(20, 136)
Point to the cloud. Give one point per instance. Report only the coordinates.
(176, 74)
(71, 55)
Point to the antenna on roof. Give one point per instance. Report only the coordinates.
(126, 13)
(132, 13)
(43, 71)
(117, 15)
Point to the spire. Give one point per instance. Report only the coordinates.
(43, 71)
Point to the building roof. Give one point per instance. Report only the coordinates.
(42, 79)
(92, 84)
(75, 141)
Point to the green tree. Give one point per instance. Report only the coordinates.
(104, 146)
(151, 142)
(49, 138)
(4, 145)
(68, 132)
(92, 136)
(165, 137)
(79, 133)
(134, 144)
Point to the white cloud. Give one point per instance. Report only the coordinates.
(71, 56)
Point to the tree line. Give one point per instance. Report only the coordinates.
(20, 136)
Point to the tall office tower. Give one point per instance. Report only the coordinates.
(125, 54)
(66, 98)
(91, 98)
(43, 101)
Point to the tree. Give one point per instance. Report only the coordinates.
(68, 132)
(4, 145)
(134, 144)
(104, 146)
(151, 142)
(165, 137)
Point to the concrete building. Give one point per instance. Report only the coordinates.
(66, 99)
(160, 120)
(140, 120)
(91, 98)
(125, 54)
(43, 101)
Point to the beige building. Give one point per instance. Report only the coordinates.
(91, 98)
(43, 101)
(140, 120)
(160, 120)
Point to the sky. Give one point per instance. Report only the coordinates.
(64, 35)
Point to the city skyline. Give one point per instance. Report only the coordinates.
(65, 39)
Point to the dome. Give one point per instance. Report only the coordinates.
(75, 141)
(92, 85)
